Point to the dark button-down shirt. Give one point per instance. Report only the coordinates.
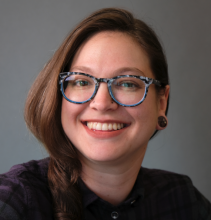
(156, 195)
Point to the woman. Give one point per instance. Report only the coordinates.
(95, 106)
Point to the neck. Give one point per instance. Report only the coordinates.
(112, 183)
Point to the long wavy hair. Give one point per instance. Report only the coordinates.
(43, 104)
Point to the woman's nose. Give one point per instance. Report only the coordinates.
(102, 100)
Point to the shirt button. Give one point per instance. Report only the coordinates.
(133, 202)
(114, 215)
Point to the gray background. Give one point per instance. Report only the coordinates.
(30, 32)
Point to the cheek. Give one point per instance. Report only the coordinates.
(66, 117)
(70, 116)
(146, 114)
(65, 111)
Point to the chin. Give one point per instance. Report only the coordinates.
(101, 156)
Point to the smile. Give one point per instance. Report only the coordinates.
(105, 126)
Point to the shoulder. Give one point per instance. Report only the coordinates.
(165, 184)
(155, 178)
(175, 191)
(24, 189)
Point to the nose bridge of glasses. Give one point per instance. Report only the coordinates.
(102, 80)
(105, 80)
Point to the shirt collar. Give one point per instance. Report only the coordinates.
(136, 193)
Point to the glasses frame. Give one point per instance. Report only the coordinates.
(147, 81)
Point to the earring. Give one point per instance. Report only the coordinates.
(162, 121)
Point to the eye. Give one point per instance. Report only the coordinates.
(81, 83)
(126, 84)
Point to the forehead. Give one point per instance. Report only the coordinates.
(105, 53)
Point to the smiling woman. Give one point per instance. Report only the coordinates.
(112, 145)
(95, 106)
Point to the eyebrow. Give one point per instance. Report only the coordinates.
(120, 71)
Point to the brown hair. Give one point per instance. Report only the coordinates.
(43, 104)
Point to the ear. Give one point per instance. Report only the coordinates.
(162, 105)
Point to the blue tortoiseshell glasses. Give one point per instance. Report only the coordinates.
(125, 90)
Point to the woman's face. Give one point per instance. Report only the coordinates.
(106, 55)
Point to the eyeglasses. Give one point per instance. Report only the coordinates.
(125, 90)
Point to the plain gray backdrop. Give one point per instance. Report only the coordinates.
(30, 32)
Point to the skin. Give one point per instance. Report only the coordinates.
(110, 164)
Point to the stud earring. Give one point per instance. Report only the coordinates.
(162, 121)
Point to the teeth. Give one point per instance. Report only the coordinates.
(99, 126)
(94, 125)
(104, 126)
(118, 126)
(115, 126)
(110, 126)
(89, 125)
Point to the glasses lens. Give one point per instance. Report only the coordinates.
(128, 90)
(78, 88)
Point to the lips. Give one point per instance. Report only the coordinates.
(100, 130)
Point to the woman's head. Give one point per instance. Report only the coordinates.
(43, 106)
(44, 103)
(110, 54)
